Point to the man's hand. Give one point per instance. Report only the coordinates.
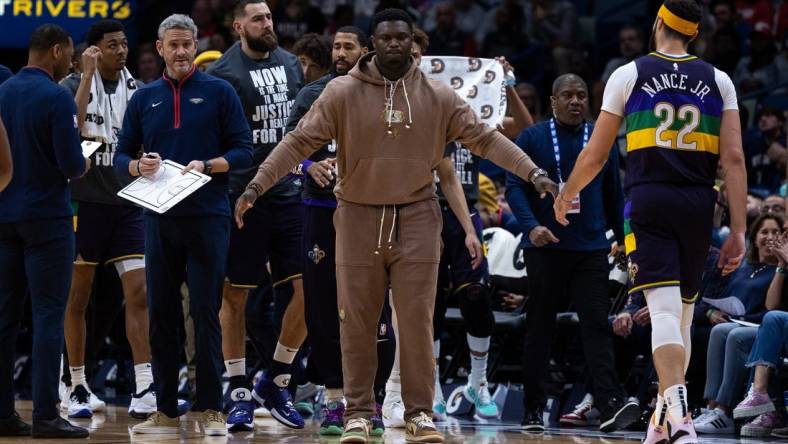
(718, 317)
(88, 164)
(622, 325)
(541, 236)
(507, 67)
(90, 59)
(731, 253)
(149, 164)
(561, 206)
(194, 165)
(322, 172)
(545, 186)
(642, 317)
(474, 249)
(242, 205)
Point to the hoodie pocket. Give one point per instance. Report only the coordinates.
(382, 180)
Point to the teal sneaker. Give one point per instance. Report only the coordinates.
(376, 427)
(439, 410)
(332, 419)
(482, 401)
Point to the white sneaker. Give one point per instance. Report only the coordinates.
(584, 414)
(262, 412)
(143, 404)
(79, 403)
(96, 404)
(64, 392)
(393, 410)
(716, 422)
(704, 416)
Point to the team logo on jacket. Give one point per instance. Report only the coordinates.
(197, 100)
(395, 116)
(633, 269)
(316, 254)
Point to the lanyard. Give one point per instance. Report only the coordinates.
(557, 150)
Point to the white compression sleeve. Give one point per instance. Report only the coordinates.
(665, 308)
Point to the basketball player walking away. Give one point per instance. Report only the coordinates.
(387, 219)
(682, 119)
(267, 79)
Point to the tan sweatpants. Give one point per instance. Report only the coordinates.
(375, 246)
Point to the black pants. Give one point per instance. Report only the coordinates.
(581, 276)
(174, 245)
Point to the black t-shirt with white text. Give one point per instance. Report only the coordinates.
(267, 89)
(466, 165)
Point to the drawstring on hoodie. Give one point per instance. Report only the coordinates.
(388, 96)
(391, 231)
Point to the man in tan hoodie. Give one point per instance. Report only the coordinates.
(392, 124)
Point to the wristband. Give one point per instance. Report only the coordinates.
(139, 173)
(781, 271)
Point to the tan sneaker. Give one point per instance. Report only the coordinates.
(213, 423)
(356, 430)
(158, 423)
(421, 429)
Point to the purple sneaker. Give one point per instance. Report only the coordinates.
(753, 405)
(377, 428)
(762, 425)
(332, 419)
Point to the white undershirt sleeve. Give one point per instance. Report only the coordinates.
(618, 89)
(727, 90)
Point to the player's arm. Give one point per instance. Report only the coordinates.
(452, 190)
(90, 59)
(6, 163)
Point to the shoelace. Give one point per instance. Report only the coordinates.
(357, 423)
(484, 394)
(212, 416)
(423, 422)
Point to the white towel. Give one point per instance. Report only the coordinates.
(107, 109)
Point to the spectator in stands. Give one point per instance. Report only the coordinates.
(763, 68)
(530, 96)
(631, 45)
(774, 204)
(724, 49)
(206, 21)
(467, 16)
(314, 55)
(554, 22)
(766, 355)
(505, 38)
(206, 59)
(447, 39)
(148, 65)
(765, 153)
(730, 342)
(569, 262)
(726, 18)
(758, 13)
(294, 18)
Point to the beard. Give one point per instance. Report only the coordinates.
(263, 43)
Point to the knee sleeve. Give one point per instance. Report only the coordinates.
(688, 310)
(665, 308)
(476, 309)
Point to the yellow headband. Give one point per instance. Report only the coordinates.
(677, 23)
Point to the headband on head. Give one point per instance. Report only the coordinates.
(677, 23)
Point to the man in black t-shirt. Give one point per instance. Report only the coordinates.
(109, 230)
(267, 79)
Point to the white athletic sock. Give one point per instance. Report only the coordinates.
(660, 411)
(394, 382)
(676, 398)
(78, 376)
(143, 376)
(334, 395)
(284, 354)
(235, 367)
(478, 363)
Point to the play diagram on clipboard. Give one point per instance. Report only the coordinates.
(164, 189)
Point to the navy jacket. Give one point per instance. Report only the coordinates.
(5, 73)
(41, 119)
(198, 118)
(601, 202)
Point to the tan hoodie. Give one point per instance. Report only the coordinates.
(390, 136)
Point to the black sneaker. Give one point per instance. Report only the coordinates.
(14, 426)
(618, 415)
(57, 428)
(533, 420)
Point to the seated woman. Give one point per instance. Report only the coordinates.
(767, 351)
(730, 342)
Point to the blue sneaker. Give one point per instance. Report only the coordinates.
(482, 401)
(241, 416)
(183, 407)
(277, 401)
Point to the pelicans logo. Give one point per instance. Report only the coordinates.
(633, 269)
(473, 92)
(486, 111)
(316, 254)
(456, 82)
(437, 66)
(474, 64)
(489, 76)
